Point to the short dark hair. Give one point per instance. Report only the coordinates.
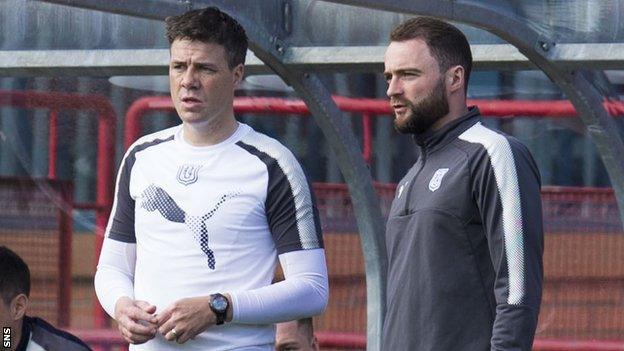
(14, 275)
(447, 44)
(210, 25)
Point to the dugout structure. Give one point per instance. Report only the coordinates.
(572, 42)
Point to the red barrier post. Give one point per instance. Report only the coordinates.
(367, 135)
(52, 144)
(65, 256)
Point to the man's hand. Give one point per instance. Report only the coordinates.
(188, 317)
(136, 320)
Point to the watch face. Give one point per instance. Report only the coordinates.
(220, 303)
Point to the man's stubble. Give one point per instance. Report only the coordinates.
(426, 112)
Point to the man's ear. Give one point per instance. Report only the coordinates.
(238, 73)
(19, 305)
(455, 78)
(315, 344)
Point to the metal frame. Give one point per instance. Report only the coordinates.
(271, 46)
(39, 63)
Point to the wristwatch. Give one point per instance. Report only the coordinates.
(219, 304)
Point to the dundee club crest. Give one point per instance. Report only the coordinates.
(436, 180)
(188, 174)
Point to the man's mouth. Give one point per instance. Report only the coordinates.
(399, 108)
(190, 102)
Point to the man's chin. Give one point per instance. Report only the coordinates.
(191, 116)
(401, 124)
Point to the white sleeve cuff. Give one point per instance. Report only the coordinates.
(114, 277)
(303, 292)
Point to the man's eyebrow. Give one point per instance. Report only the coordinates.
(410, 69)
(196, 63)
(205, 64)
(401, 71)
(288, 344)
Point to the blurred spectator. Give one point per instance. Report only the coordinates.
(21, 332)
(296, 336)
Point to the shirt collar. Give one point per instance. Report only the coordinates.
(432, 140)
(23, 342)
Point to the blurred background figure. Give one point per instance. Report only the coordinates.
(26, 333)
(296, 336)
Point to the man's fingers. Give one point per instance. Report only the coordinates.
(137, 313)
(140, 329)
(182, 339)
(163, 316)
(166, 327)
(186, 336)
(134, 338)
(171, 335)
(146, 306)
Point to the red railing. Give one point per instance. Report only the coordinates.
(367, 107)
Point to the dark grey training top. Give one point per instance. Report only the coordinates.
(465, 243)
(38, 334)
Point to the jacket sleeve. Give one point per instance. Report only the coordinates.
(506, 186)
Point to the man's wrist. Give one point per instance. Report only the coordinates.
(122, 300)
(230, 310)
(222, 308)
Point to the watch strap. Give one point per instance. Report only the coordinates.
(220, 314)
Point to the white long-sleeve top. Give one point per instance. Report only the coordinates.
(191, 221)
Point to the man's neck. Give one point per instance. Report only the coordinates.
(450, 117)
(205, 134)
(456, 111)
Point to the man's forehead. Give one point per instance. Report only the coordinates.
(183, 49)
(409, 54)
(287, 328)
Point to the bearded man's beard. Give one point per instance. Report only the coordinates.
(425, 113)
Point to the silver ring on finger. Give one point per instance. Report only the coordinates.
(175, 333)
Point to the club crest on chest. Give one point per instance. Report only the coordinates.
(188, 174)
(436, 180)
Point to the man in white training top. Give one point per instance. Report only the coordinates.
(204, 210)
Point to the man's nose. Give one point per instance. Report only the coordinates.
(394, 87)
(189, 79)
